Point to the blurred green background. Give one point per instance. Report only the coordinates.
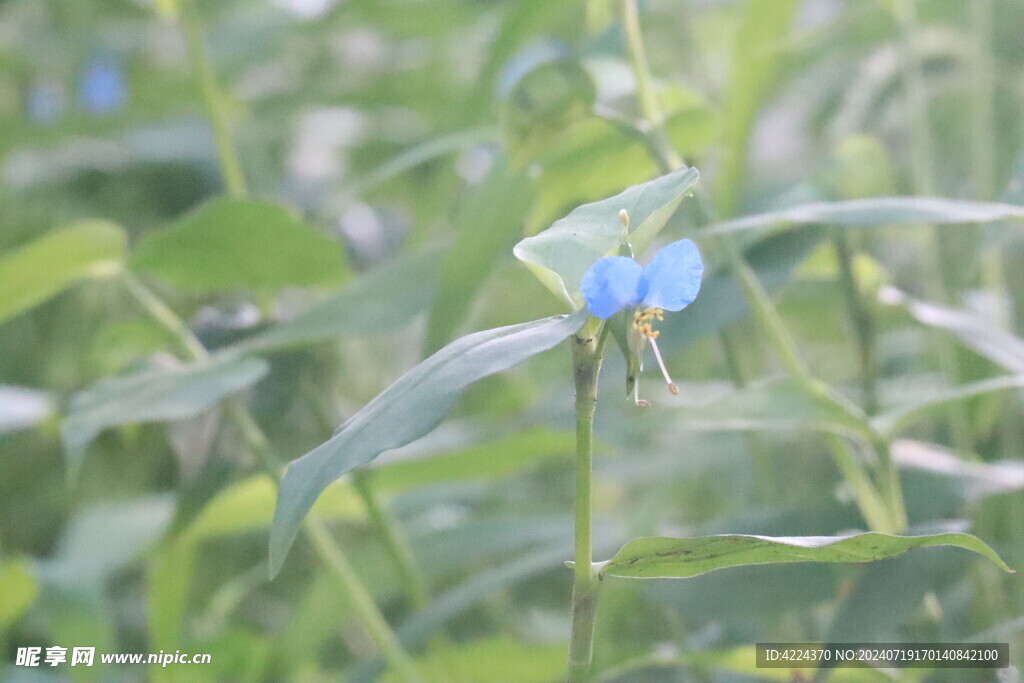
(408, 145)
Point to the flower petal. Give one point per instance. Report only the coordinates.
(611, 284)
(673, 276)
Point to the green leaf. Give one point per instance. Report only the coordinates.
(56, 261)
(486, 227)
(18, 590)
(380, 301)
(865, 213)
(560, 255)
(488, 460)
(977, 478)
(976, 333)
(240, 244)
(677, 558)
(781, 403)
(405, 411)
(159, 394)
(896, 419)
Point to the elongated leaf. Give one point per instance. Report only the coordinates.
(56, 261)
(864, 213)
(405, 411)
(561, 254)
(894, 420)
(164, 393)
(778, 404)
(487, 226)
(240, 243)
(976, 333)
(654, 558)
(979, 479)
(382, 300)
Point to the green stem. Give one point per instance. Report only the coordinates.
(396, 541)
(213, 99)
(647, 101)
(862, 322)
(586, 361)
(366, 610)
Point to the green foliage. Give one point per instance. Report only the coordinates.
(653, 558)
(561, 254)
(56, 261)
(240, 244)
(171, 392)
(405, 411)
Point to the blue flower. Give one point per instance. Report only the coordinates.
(670, 282)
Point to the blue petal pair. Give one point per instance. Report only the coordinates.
(669, 282)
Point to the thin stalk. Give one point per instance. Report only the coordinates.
(213, 99)
(862, 322)
(396, 541)
(941, 273)
(362, 602)
(586, 364)
(872, 504)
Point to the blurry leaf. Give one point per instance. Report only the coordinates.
(652, 558)
(104, 537)
(154, 395)
(405, 411)
(21, 407)
(862, 168)
(57, 260)
(782, 403)
(584, 163)
(976, 333)
(544, 102)
(382, 300)
(420, 154)
(240, 243)
(248, 505)
(894, 420)
(492, 660)
(863, 213)
(486, 227)
(167, 9)
(978, 478)
(560, 255)
(753, 72)
(18, 591)
(118, 344)
(487, 460)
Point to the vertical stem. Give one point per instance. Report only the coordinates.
(213, 99)
(396, 541)
(586, 362)
(366, 610)
(862, 321)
